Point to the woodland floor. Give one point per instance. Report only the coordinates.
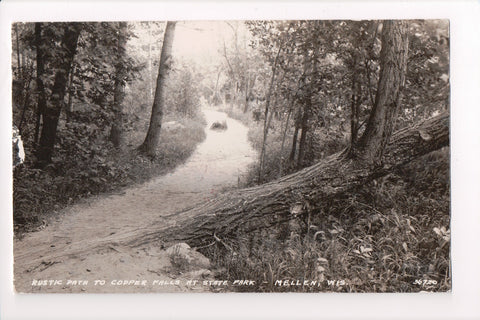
(85, 241)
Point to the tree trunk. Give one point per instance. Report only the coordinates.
(303, 135)
(309, 189)
(307, 61)
(17, 38)
(232, 72)
(233, 96)
(26, 98)
(56, 102)
(284, 136)
(265, 205)
(119, 89)
(41, 99)
(393, 65)
(251, 85)
(150, 68)
(268, 118)
(69, 109)
(293, 152)
(216, 100)
(264, 147)
(152, 139)
(245, 106)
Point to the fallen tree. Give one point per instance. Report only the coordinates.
(376, 154)
(280, 200)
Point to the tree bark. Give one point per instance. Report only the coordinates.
(152, 139)
(26, 98)
(310, 189)
(54, 105)
(268, 118)
(232, 72)
(17, 38)
(216, 100)
(245, 106)
(284, 136)
(119, 88)
(294, 141)
(393, 62)
(307, 62)
(266, 205)
(41, 99)
(264, 147)
(70, 91)
(251, 85)
(303, 135)
(150, 68)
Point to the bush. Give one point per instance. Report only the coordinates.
(380, 238)
(88, 166)
(389, 236)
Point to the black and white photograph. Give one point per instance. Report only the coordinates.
(239, 159)
(231, 156)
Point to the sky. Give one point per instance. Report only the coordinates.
(202, 41)
(196, 41)
(199, 41)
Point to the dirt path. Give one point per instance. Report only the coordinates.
(87, 243)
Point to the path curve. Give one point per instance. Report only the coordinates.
(86, 244)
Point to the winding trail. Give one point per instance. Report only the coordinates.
(87, 242)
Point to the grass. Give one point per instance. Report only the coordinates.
(38, 195)
(392, 235)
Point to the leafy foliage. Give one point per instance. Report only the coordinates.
(84, 161)
(184, 92)
(393, 234)
(319, 79)
(96, 167)
(427, 86)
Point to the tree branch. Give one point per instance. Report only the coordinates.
(265, 205)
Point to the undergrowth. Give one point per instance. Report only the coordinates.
(81, 169)
(319, 144)
(392, 235)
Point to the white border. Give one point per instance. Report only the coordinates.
(463, 302)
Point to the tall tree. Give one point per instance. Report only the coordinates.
(268, 113)
(119, 87)
(393, 62)
(55, 103)
(307, 110)
(41, 99)
(266, 205)
(17, 42)
(152, 139)
(293, 150)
